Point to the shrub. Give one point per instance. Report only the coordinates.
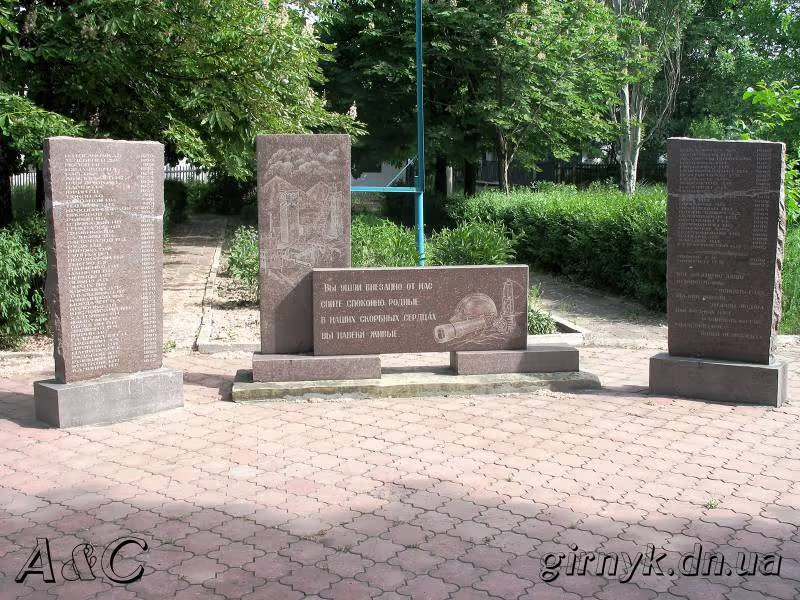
(225, 196)
(539, 321)
(599, 237)
(23, 267)
(472, 243)
(243, 256)
(197, 192)
(381, 243)
(23, 201)
(176, 200)
(790, 322)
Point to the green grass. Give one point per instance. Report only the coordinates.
(539, 321)
(790, 322)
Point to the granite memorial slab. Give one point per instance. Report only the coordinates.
(104, 201)
(431, 309)
(726, 223)
(302, 367)
(544, 358)
(726, 226)
(303, 222)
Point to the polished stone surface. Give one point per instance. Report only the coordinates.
(410, 309)
(104, 201)
(303, 222)
(550, 358)
(298, 367)
(726, 227)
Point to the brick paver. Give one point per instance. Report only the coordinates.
(455, 497)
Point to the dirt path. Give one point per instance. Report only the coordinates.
(609, 320)
(186, 268)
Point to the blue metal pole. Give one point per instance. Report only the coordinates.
(420, 195)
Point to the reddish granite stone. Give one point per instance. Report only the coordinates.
(547, 358)
(298, 367)
(432, 309)
(304, 222)
(104, 201)
(726, 227)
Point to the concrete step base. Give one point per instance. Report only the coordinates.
(404, 383)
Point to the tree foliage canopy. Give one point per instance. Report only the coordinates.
(526, 78)
(202, 76)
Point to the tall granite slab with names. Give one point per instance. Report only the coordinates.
(304, 223)
(104, 205)
(726, 225)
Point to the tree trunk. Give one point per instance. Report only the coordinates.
(470, 178)
(440, 181)
(630, 142)
(39, 191)
(6, 209)
(501, 147)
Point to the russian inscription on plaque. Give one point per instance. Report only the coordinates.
(304, 222)
(726, 224)
(435, 309)
(104, 204)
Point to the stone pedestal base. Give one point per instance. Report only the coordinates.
(107, 399)
(301, 367)
(411, 384)
(718, 380)
(549, 358)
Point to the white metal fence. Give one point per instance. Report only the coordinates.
(185, 173)
(179, 173)
(23, 179)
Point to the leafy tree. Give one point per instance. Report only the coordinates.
(523, 78)
(203, 77)
(731, 44)
(777, 117)
(655, 48)
(550, 72)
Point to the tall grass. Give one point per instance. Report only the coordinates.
(790, 321)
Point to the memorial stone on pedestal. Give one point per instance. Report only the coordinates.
(104, 204)
(726, 226)
(304, 223)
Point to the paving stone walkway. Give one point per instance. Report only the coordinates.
(456, 498)
(432, 498)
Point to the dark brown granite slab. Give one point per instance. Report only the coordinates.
(726, 227)
(303, 222)
(431, 309)
(104, 203)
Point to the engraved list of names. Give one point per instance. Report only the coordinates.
(726, 224)
(105, 206)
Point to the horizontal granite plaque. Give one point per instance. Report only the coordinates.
(105, 205)
(726, 226)
(303, 222)
(431, 309)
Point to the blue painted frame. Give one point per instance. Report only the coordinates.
(419, 181)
